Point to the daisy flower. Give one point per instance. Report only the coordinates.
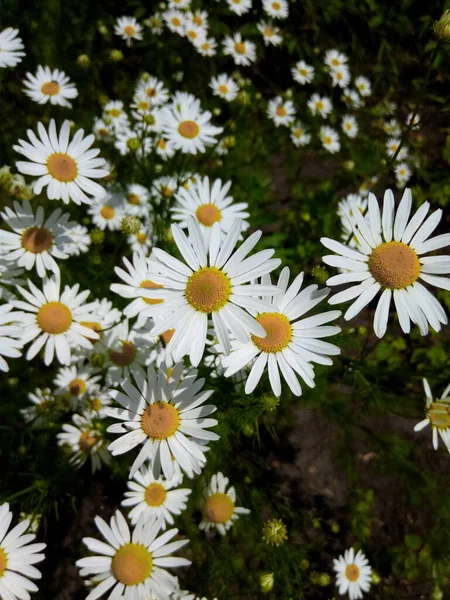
(209, 203)
(213, 284)
(349, 126)
(10, 334)
(196, 34)
(137, 200)
(164, 187)
(290, 343)
(133, 141)
(224, 86)
(174, 20)
(402, 174)
(390, 259)
(392, 146)
(128, 29)
(414, 119)
(141, 241)
(335, 59)
(277, 9)
(77, 239)
(199, 17)
(163, 413)
(53, 320)
(66, 169)
(330, 139)
(183, 4)
(363, 86)
(76, 381)
(50, 86)
(17, 557)
(43, 406)
(392, 128)
(130, 563)
(153, 89)
(155, 23)
(353, 573)
(340, 76)
(35, 241)
(242, 51)
(352, 99)
(299, 136)
(320, 105)
(155, 497)
(10, 275)
(345, 212)
(165, 149)
(206, 47)
(189, 129)
(219, 508)
(437, 415)
(10, 48)
(271, 34)
(239, 7)
(101, 316)
(302, 73)
(114, 114)
(281, 112)
(107, 211)
(85, 441)
(102, 131)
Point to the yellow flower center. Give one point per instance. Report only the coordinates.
(132, 564)
(223, 89)
(218, 508)
(92, 325)
(268, 31)
(3, 562)
(133, 199)
(327, 140)
(54, 318)
(335, 62)
(352, 572)
(208, 289)
(94, 403)
(166, 336)
(162, 144)
(303, 72)
(319, 105)
(160, 420)
(339, 75)
(439, 414)
(208, 214)
(298, 133)
(281, 111)
(77, 387)
(192, 34)
(394, 265)
(37, 239)
(129, 30)
(50, 88)
(206, 45)
(276, 5)
(188, 129)
(87, 441)
(114, 112)
(278, 329)
(348, 126)
(107, 212)
(125, 356)
(176, 22)
(240, 47)
(150, 285)
(155, 494)
(197, 20)
(142, 105)
(62, 167)
(141, 238)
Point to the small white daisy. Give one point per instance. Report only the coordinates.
(271, 34)
(320, 105)
(128, 29)
(352, 99)
(115, 116)
(299, 136)
(155, 23)
(242, 51)
(142, 241)
(85, 441)
(224, 86)
(392, 147)
(363, 86)
(390, 259)
(196, 34)
(277, 9)
(353, 574)
(206, 47)
(66, 169)
(77, 239)
(437, 415)
(153, 89)
(42, 409)
(51, 86)
(340, 76)
(392, 128)
(10, 334)
(302, 72)
(239, 7)
(345, 212)
(335, 59)
(402, 174)
(164, 148)
(281, 112)
(100, 316)
(155, 497)
(174, 20)
(330, 139)
(219, 507)
(199, 17)
(349, 126)
(76, 381)
(137, 201)
(102, 131)
(107, 211)
(183, 4)
(163, 413)
(413, 119)
(11, 48)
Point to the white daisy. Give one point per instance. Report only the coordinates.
(199, 17)
(114, 115)
(183, 4)
(196, 34)
(76, 240)
(50, 86)
(102, 131)
(330, 139)
(320, 105)
(239, 7)
(76, 381)
(390, 259)
(84, 441)
(302, 73)
(128, 29)
(353, 574)
(209, 203)
(213, 284)
(219, 508)
(142, 241)
(189, 129)
(53, 320)
(107, 211)
(10, 48)
(137, 201)
(35, 241)
(392, 147)
(299, 136)
(345, 212)
(17, 557)
(290, 344)
(363, 86)
(281, 112)
(402, 173)
(164, 148)
(134, 141)
(10, 334)
(100, 316)
(349, 126)
(174, 20)
(335, 59)
(164, 187)
(392, 128)
(130, 563)
(153, 89)
(340, 76)
(155, 497)
(155, 23)
(164, 412)
(224, 86)
(42, 409)
(206, 47)
(278, 9)
(242, 51)
(352, 99)
(271, 34)
(95, 403)
(66, 169)
(437, 415)
(10, 276)
(413, 119)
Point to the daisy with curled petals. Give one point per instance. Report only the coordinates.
(219, 509)
(130, 564)
(65, 168)
(128, 29)
(349, 126)
(281, 112)
(53, 320)
(239, 7)
(330, 139)
(242, 51)
(299, 136)
(277, 9)
(17, 557)
(214, 284)
(35, 241)
(271, 34)
(164, 412)
(209, 203)
(390, 259)
(189, 129)
(353, 574)
(84, 441)
(51, 86)
(10, 334)
(302, 73)
(11, 48)
(155, 497)
(291, 343)
(224, 86)
(320, 105)
(363, 86)
(437, 415)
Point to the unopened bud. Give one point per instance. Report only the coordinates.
(83, 61)
(97, 236)
(275, 532)
(116, 55)
(266, 582)
(442, 27)
(131, 224)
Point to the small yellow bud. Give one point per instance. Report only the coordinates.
(442, 27)
(266, 582)
(275, 532)
(116, 55)
(131, 224)
(97, 236)
(83, 61)
(133, 144)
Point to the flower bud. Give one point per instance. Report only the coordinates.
(442, 27)
(266, 582)
(275, 532)
(131, 224)
(83, 61)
